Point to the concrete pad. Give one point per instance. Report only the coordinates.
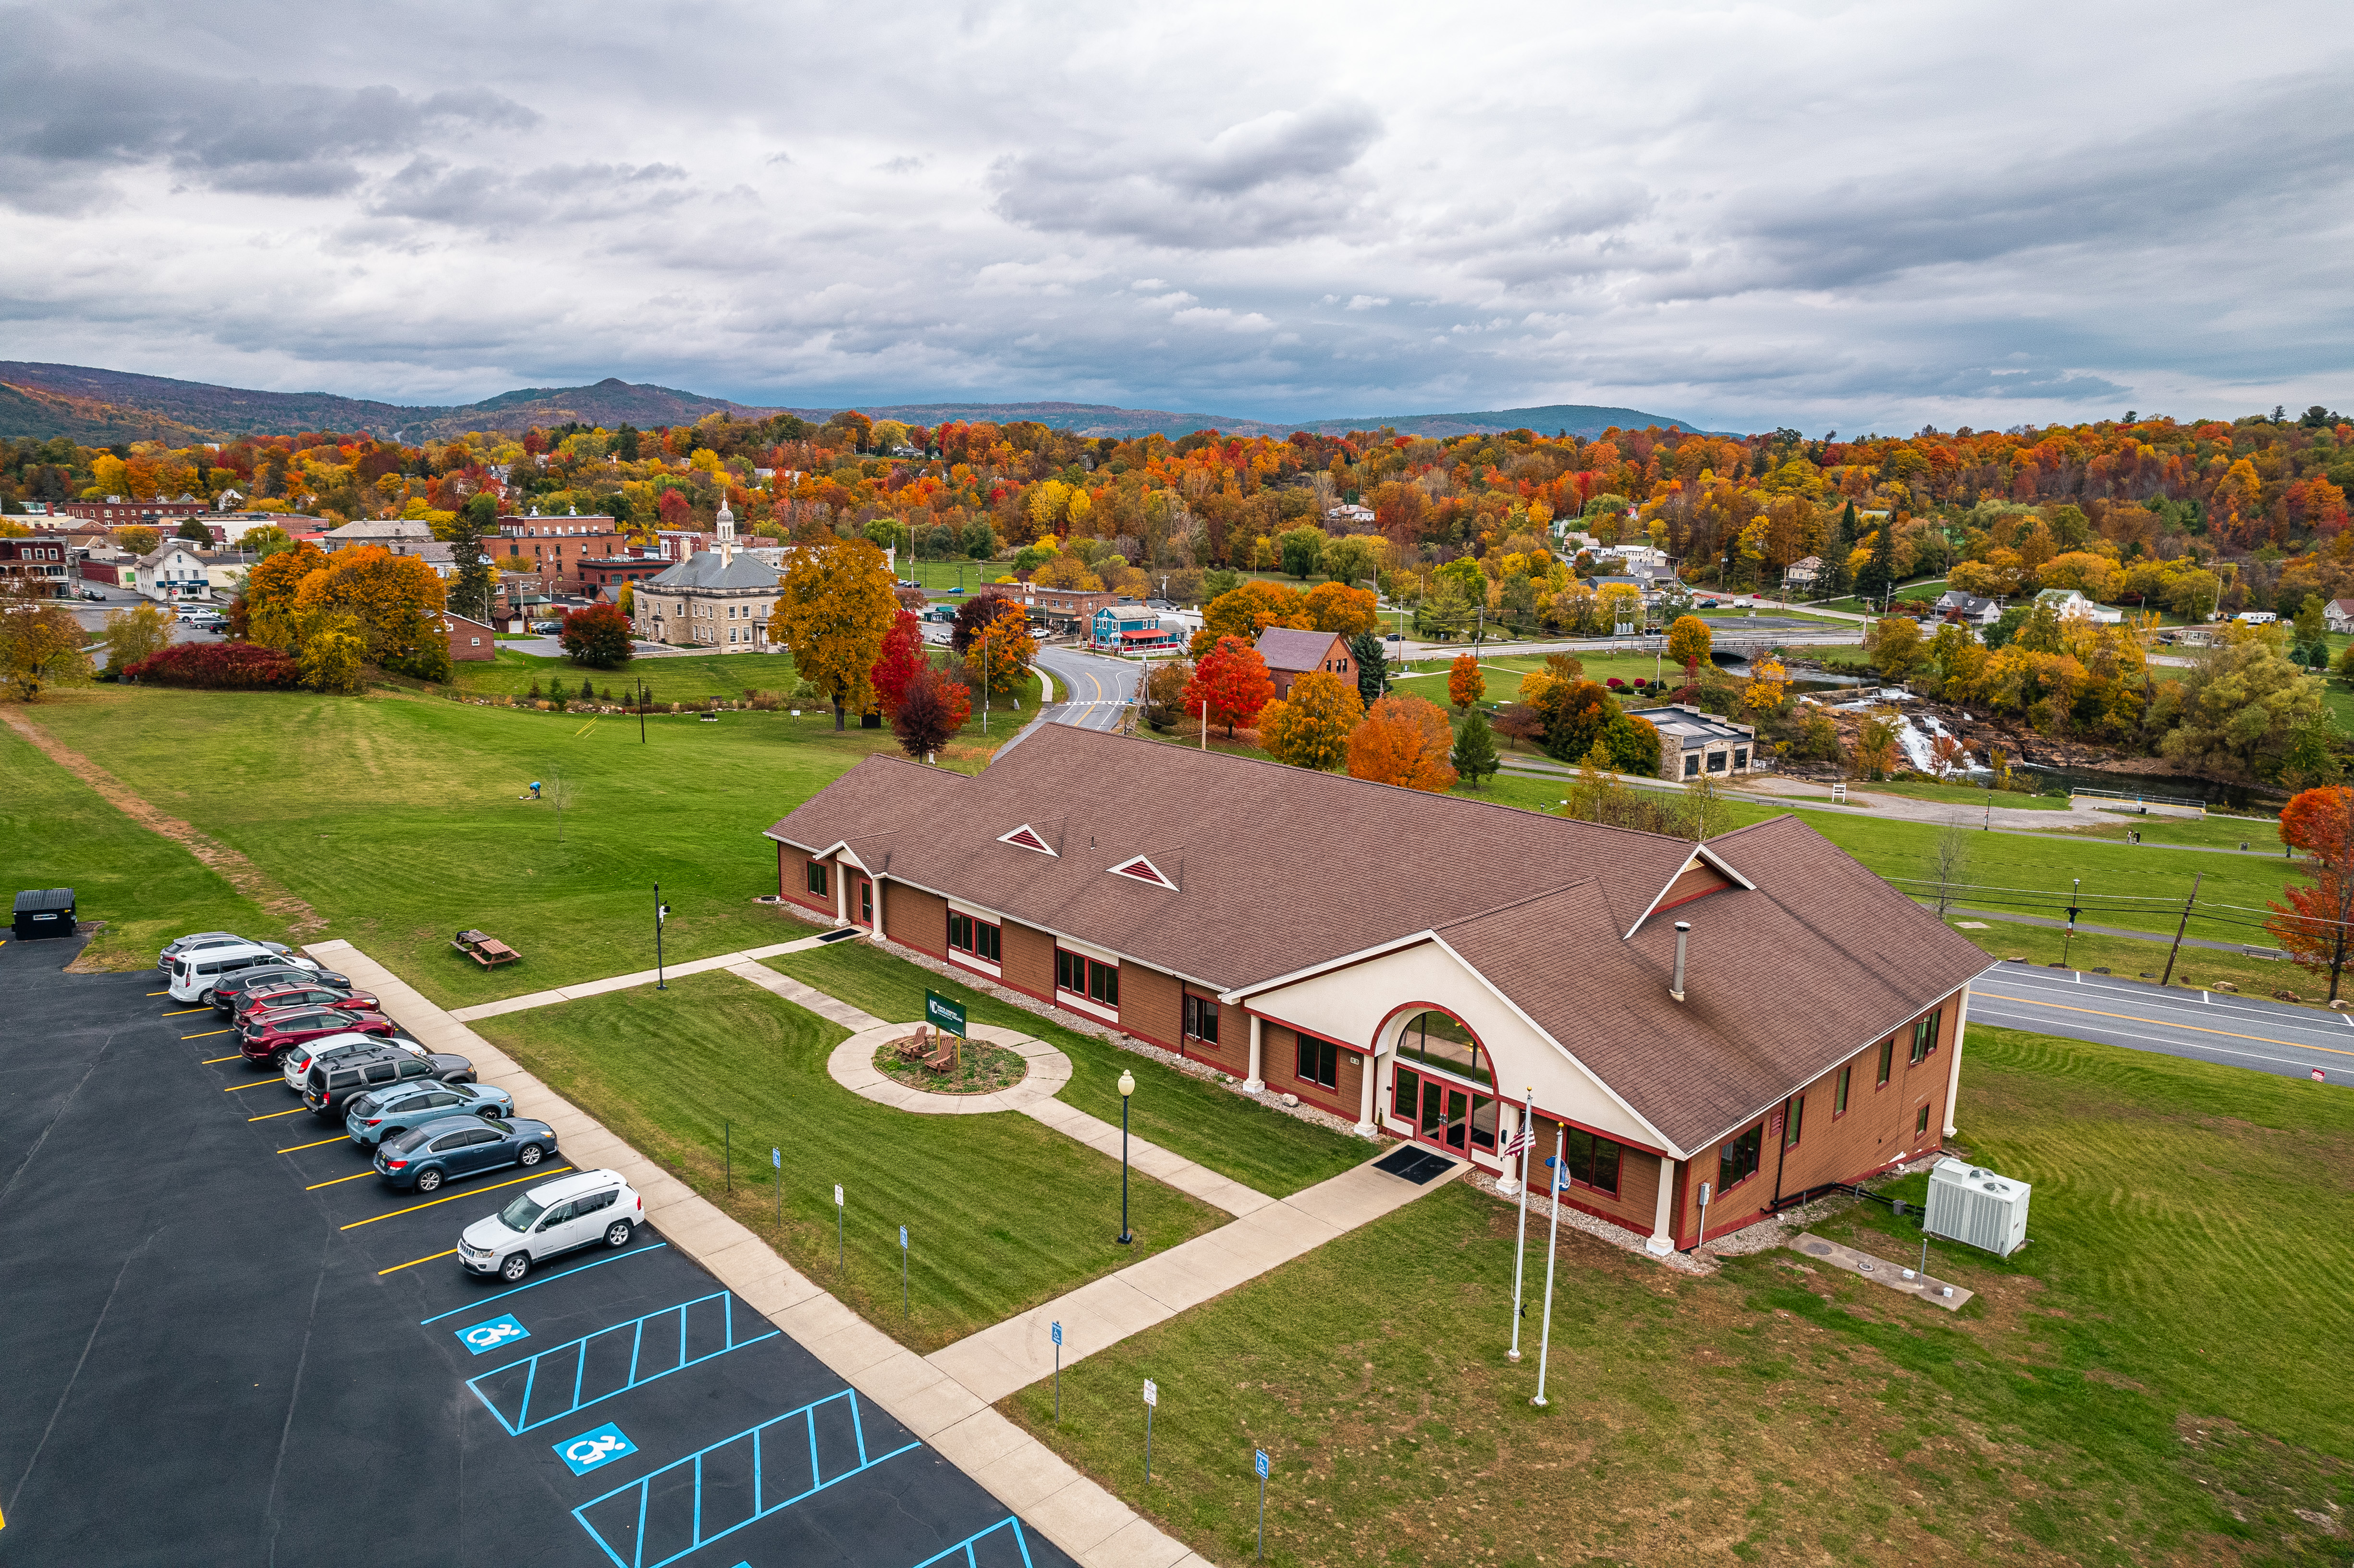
(981, 1365)
(701, 1231)
(511, 1004)
(898, 1377)
(934, 1407)
(771, 1294)
(852, 1351)
(980, 1440)
(1080, 1517)
(1026, 1477)
(586, 988)
(1136, 1544)
(1175, 1283)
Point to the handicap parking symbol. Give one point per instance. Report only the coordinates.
(594, 1448)
(488, 1336)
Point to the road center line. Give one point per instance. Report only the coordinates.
(2168, 1023)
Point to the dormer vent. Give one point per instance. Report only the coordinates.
(1143, 870)
(1025, 837)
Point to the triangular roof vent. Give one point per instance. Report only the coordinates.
(1026, 838)
(1143, 870)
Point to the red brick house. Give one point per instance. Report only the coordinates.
(470, 638)
(37, 560)
(557, 548)
(1290, 654)
(1758, 1014)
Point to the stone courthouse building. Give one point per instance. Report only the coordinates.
(714, 599)
(1757, 1015)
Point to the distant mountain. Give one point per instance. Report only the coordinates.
(102, 406)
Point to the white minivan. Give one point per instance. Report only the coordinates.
(195, 973)
(554, 1217)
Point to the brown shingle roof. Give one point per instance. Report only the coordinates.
(1286, 648)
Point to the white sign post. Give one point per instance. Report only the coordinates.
(903, 1271)
(1055, 1332)
(837, 1227)
(1152, 1400)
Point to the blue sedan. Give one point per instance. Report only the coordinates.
(388, 1113)
(459, 1147)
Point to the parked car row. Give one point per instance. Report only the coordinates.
(419, 1114)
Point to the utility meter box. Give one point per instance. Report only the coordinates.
(1971, 1205)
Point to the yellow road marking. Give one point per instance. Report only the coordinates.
(216, 1061)
(273, 1116)
(337, 1181)
(453, 1197)
(321, 1144)
(241, 1088)
(208, 1034)
(2163, 1023)
(412, 1263)
(159, 993)
(185, 1011)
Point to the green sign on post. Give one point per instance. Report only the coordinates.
(944, 1015)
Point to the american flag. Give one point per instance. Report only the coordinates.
(1519, 1142)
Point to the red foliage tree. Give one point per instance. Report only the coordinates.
(902, 656)
(933, 706)
(2313, 927)
(1232, 680)
(218, 666)
(598, 636)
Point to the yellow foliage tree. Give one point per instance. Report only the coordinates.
(395, 602)
(333, 652)
(1311, 727)
(835, 606)
(1000, 653)
(272, 619)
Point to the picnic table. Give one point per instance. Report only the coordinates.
(485, 950)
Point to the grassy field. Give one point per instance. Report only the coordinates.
(148, 890)
(1260, 1147)
(2261, 834)
(1950, 794)
(2195, 968)
(1003, 1213)
(398, 819)
(672, 678)
(2138, 1385)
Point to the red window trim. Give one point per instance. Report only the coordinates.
(1842, 1095)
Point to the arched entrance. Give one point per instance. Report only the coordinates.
(1443, 1084)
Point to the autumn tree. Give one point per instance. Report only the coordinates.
(1337, 607)
(597, 636)
(1232, 680)
(395, 601)
(138, 538)
(2313, 923)
(1464, 684)
(1689, 642)
(1001, 651)
(335, 652)
(834, 607)
(972, 614)
(1404, 740)
(932, 706)
(271, 616)
(902, 656)
(1474, 754)
(1248, 609)
(132, 635)
(1896, 648)
(1164, 693)
(40, 642)
(1310, 726)
(2244, 706)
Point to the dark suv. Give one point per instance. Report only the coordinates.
(226, 992)
(329, 1087)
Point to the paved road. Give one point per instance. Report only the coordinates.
(2209, 1026)
(1094, 691)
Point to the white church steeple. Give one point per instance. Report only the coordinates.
(726, 520)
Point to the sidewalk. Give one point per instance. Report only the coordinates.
(945, 1399)
(549, 998)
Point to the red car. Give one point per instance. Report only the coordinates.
(267, 1037)
(276, 999)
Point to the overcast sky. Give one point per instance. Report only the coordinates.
(1873, 216)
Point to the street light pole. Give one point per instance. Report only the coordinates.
(661, 912)
(1126, 1087)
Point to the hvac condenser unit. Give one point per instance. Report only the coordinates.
(1971, 1205)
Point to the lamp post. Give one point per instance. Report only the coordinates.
(1126, 1087)
(662, 913)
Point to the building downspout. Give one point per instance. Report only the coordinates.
(1782, 1156)
(1954, 1070)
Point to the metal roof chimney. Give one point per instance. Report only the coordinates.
(1683, 939)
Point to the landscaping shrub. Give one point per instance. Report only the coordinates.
(218, 666)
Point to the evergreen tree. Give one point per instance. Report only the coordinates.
(1879, 573)
(1836, 580)
(1372, 656)
(1474, 756)
(476, 521)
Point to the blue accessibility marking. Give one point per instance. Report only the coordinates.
(965, 1554)
(594, 1448)
(502, 1329)
(658, 1347)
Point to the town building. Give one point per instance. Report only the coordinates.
(2337, 615)
(180, 572)
(1062, 610)
(1696, 744)
(1350, 516)
(557, 548)
(1132, 628)
(1756, 1017)
(1968, 607)
(470, 639)
(2070, 602)
(1290, 654)
(714, 599)
(36, 562)
(122, 512)
(1803, 574)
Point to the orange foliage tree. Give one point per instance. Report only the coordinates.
(269, 598)
(1247, 610)
(2313, 924)
(1232, 680)
(1465, 686)
(1337, 607)
(395, 600)
(1404, 740)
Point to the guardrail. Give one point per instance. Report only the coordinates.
(2139, 799)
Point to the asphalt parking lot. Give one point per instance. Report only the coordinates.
(228, 1343)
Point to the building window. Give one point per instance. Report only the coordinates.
(1091, 978)
(1716, 762)
(1591, 1159)
(817, 879)
(977, 937)
(1839, 1098)
(1921, 1122)
(1924, 1039)
(1202, 1019)
(1736, 1159)
(1798, 1118)
(1741, 757)
(867, 900)
(1320, 1062)
(1691, 766)
(1887, 1062)
(1435, 1040)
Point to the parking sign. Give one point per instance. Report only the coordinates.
(1151, 1393)
(1258, 1462)
(1055, 1331)
(837, 1194)
(776, 1158)
(903, 1238)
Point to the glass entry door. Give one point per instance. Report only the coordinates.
(1459, 1121)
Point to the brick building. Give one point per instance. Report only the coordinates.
(121, 510)
(1758, 1014)
(1290, 654)
(36, 560)
(558, 549)
(470, 639)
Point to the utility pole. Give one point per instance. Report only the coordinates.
(2180, 928)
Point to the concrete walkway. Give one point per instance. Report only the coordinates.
(549, 998)
(851, 1065)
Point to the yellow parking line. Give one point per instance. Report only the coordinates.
(321, 1144)
(241, 1088)
(208, 1033)
(159, 993)
(412, 1263)
(216, 1061)
(2169, 1023)
(338, 1180)
(453, 1197)
(184, 1012)
(273, 1116)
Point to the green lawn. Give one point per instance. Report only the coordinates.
(1003, 1213)
(1260, 1147)
(398, 819)
(2261, 834)
(2149, 1381)
(1959, 795)
(60, 833)
(2195, 968)
(671, 678)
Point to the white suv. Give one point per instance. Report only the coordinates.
(554, 1217)
(329, 1047)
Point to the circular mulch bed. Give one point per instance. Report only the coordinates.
(980, 1069)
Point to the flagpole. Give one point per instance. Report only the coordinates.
(1552, 1189)
(1526, 1138)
